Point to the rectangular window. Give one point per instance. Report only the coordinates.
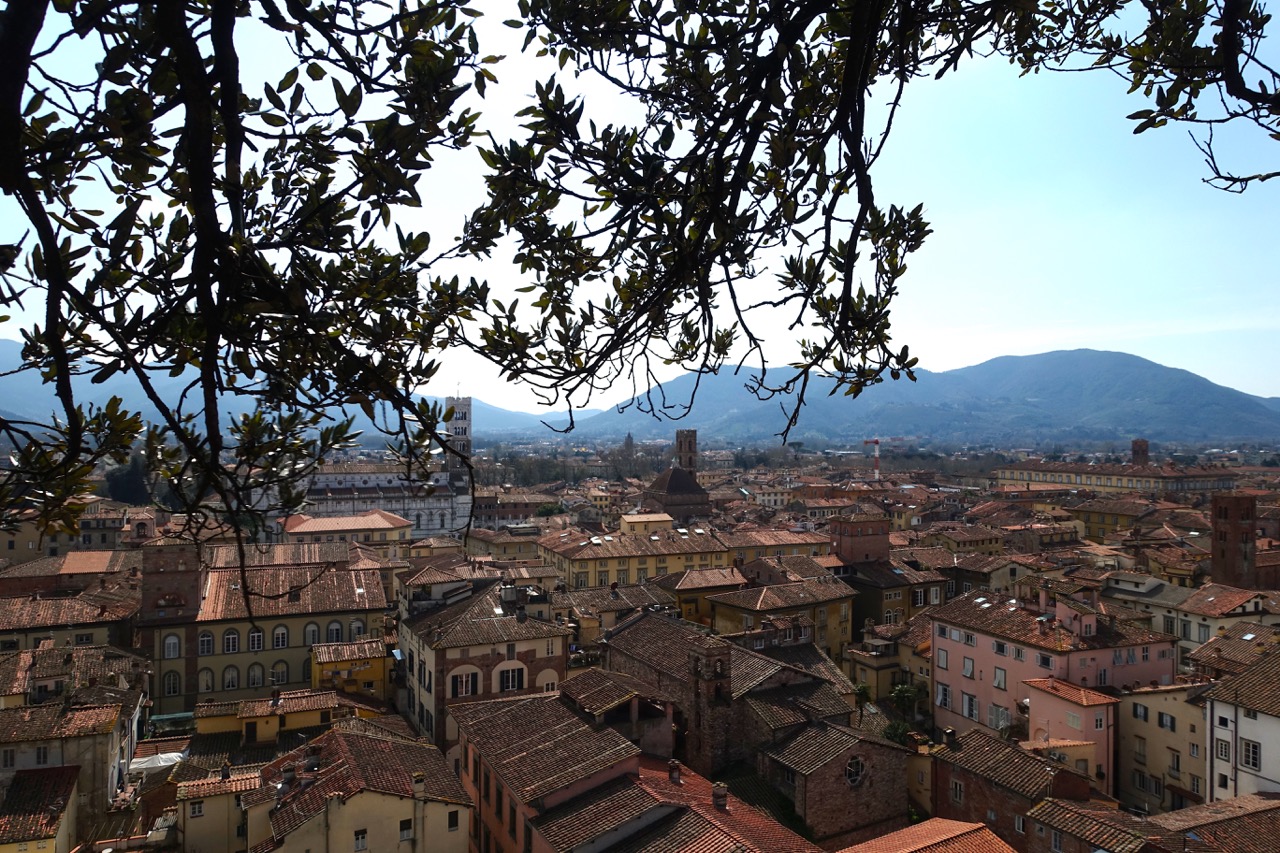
(1044, 661)
(84, 639)
(196, 809)
(997, 716)
(1250, 754)
(943, 696)
(1020, 824)
(1167, 721)
(969, 639)
(453, 820)
(1000, 647)
(1140, 750)
(466, 684)
(999, 679)
(1196, 783)
(957, 791)
(1175, 761)
(968, 667)
(1139, 711)
(1195, 750)
(1073, 720)
(1099, 721)
(940, 659)
(1250, 714)
(362, 839)
(8, 758)
(1018, 653)
(970, 708)
(1055, 840)
(42, 755)
(1222, 746)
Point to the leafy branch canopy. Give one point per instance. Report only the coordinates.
(184, 219)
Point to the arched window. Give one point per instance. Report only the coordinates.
(256, 675)
(255, 640)
(280, 672)
(357, 629)
(334, 633)
(205, 646)
(172, 683)
(280, 637)
(230, 641)
(204, 681)
(231, 678)
(172, 646)
(312, 633)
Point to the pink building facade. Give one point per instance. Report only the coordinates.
(986, 647)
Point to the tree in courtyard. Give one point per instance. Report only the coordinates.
(185, 221)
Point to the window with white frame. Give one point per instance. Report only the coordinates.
(196, 808)
(511, 679)
(940, 659)
(999, 679)
(968, 668)
(172, 646)
(957, 791)
(280, 637)
(943, 696)
(172, 683)
(970, 707)
(255, 640)
(230, 641)
(204, 645)
(1250, 754)
(1167, 721)
(362, 839)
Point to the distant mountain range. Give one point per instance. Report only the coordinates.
(1068, 396)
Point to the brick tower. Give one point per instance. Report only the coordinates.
(687, 450)
(1234, 540)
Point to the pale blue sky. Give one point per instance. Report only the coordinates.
(1054, 228)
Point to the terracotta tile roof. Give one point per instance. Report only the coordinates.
(48, 722)
(1215, 599)
(30, 811)
(594, 814)
(816, 745)
(160, 745)
(999, 618)
(374, 519)
(356, 650)
(318, 590)
(1073, 693)
(935, 835)
(742, 540)
(347, 764)
(1106, 828)
(932, 557)
(887, 574)
(1000, 762)
(703, 827)
(662, 642)
(596, 691)
(606, 600)
(91, 607)
(289, 702)
(780, 708)
(479, 621)
(212, 787)
(696, 579)
(1254, 688)
(1237, 647)
(584, 546)
(1247, 824)
(805, 593)
(811, 659)
(537, 745)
